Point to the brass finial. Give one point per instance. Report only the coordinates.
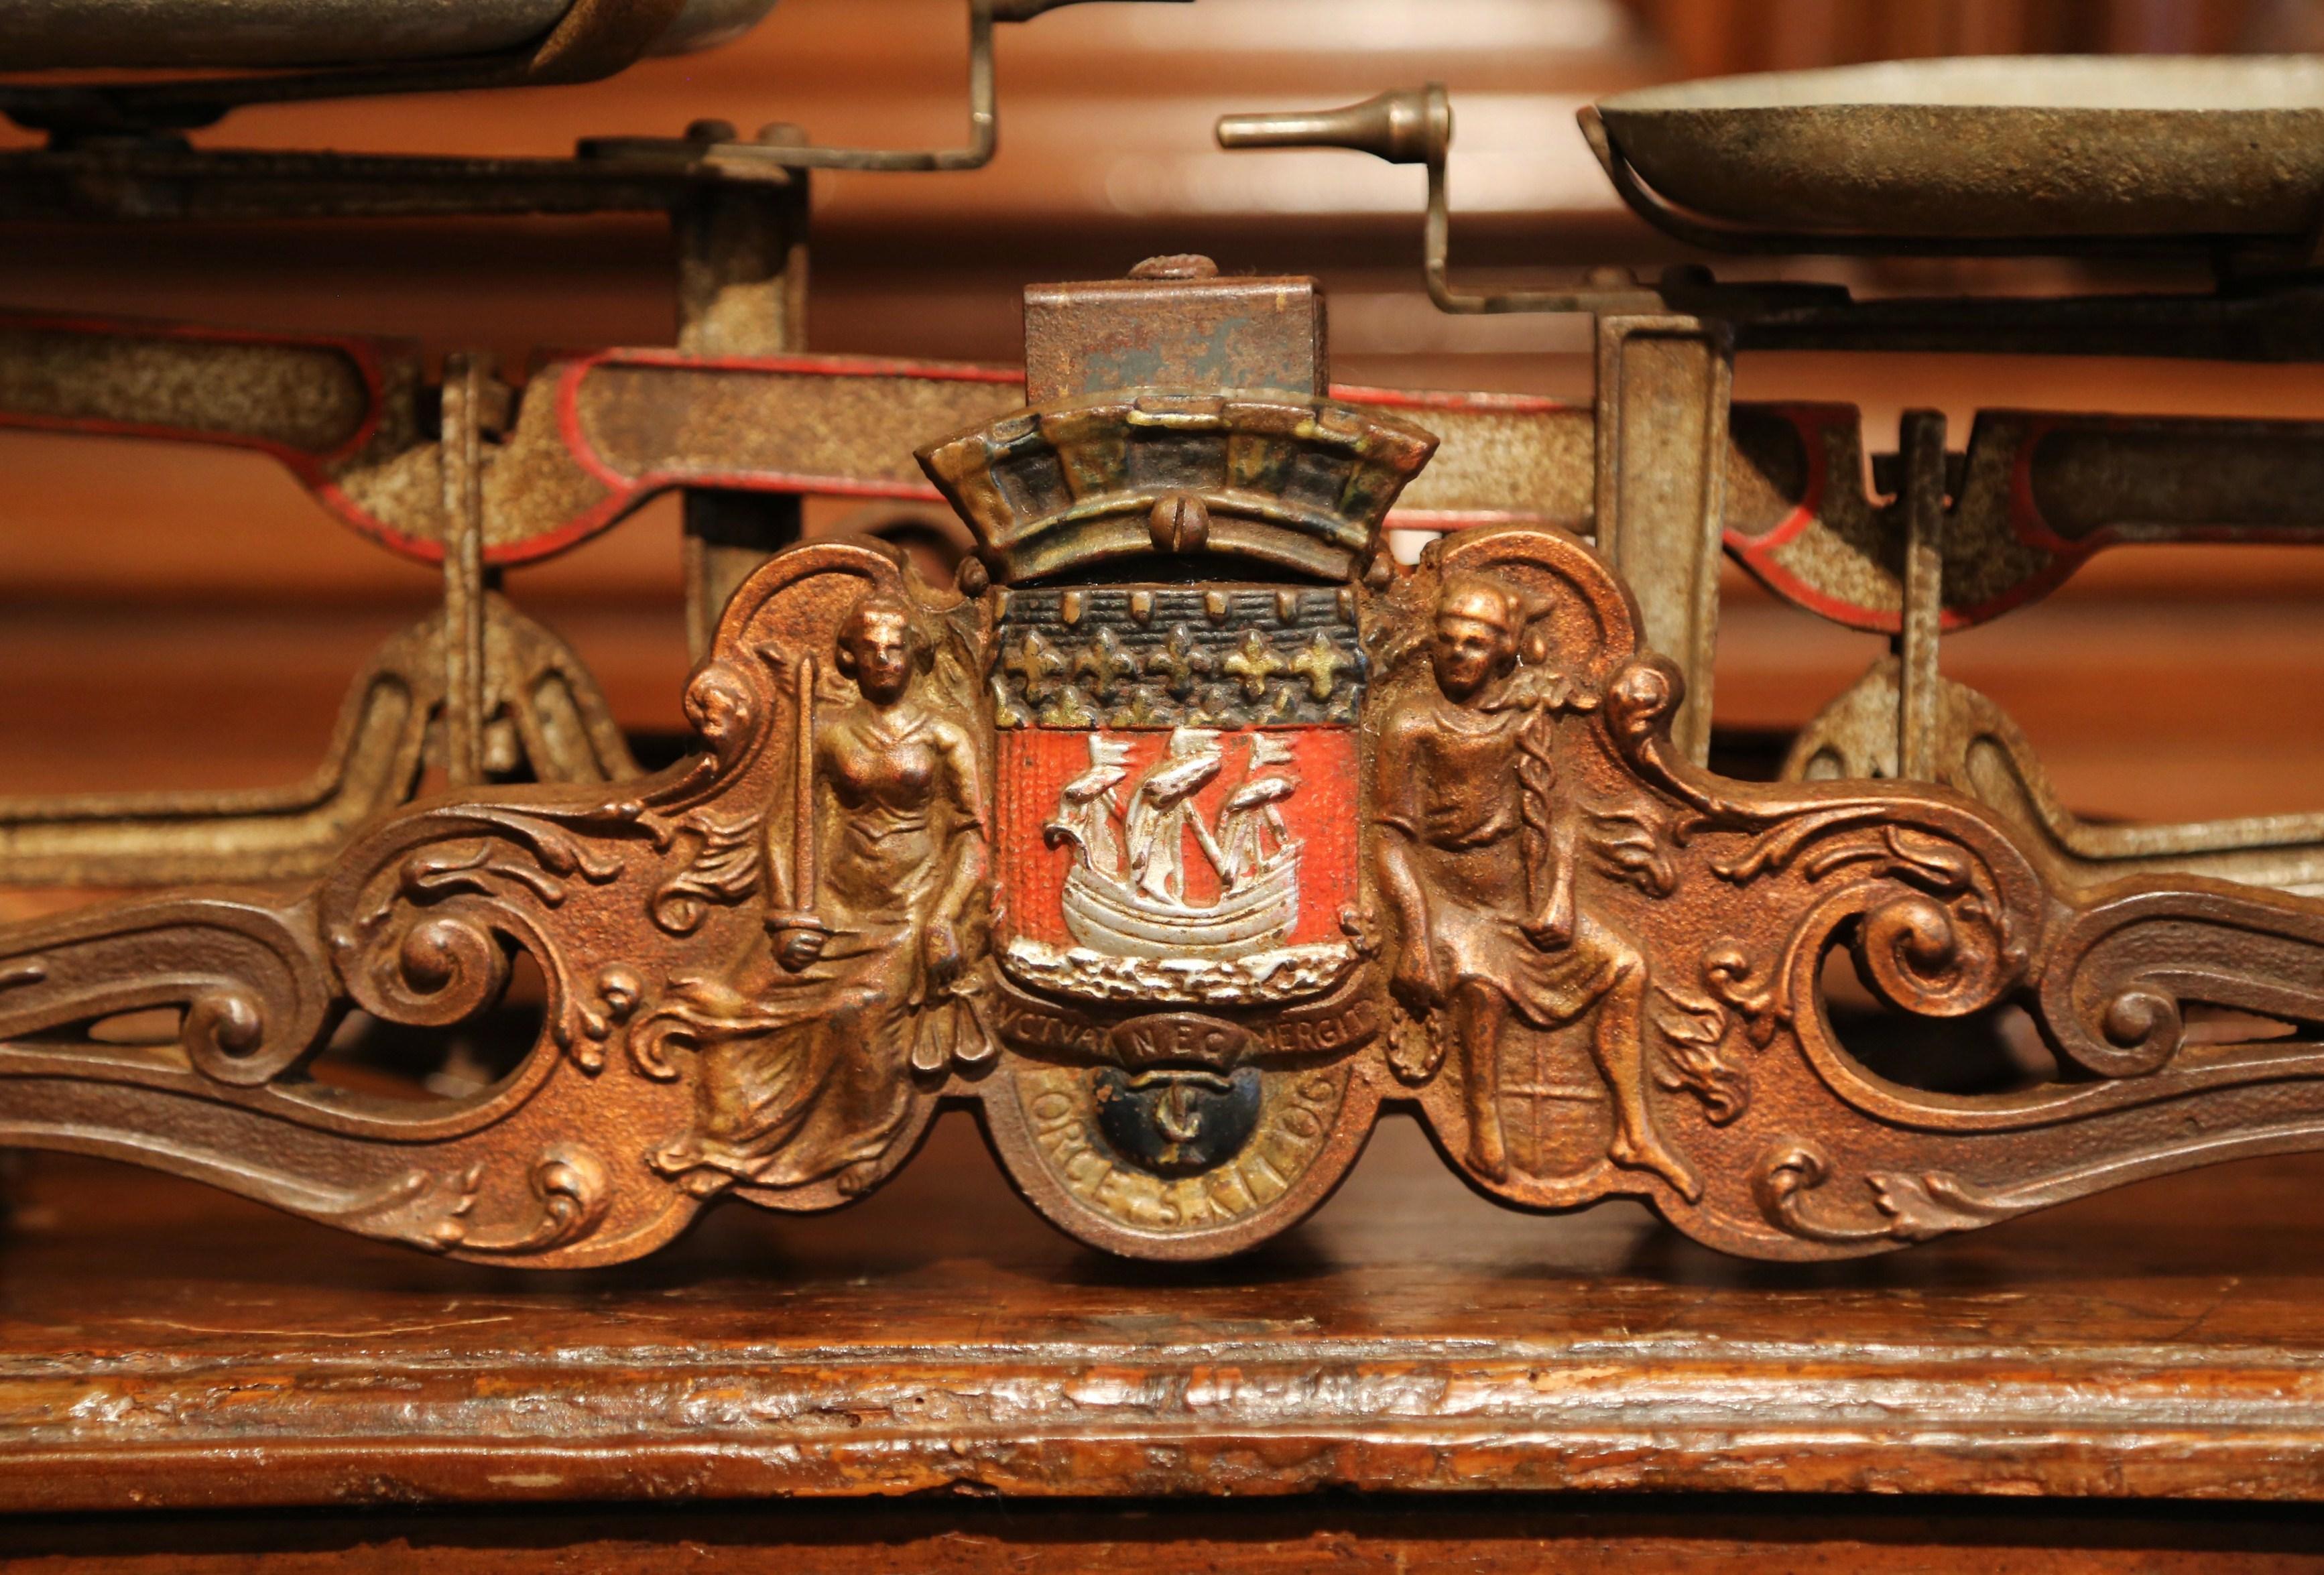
(1410, 125)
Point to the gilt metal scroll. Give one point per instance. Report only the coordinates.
(1183, 836)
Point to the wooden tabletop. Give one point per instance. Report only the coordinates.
(164, 1346)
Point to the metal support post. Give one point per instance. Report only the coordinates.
(1662, 389)
(1921, 436)
(464, 376)
(742, 291)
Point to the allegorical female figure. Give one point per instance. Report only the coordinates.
(807, 1061)
(1477, 854)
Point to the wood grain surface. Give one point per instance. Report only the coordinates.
(161, 1347)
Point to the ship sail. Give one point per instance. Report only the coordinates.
(1137, 906)
(1252, 818)
(1086, 809)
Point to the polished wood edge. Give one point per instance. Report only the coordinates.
(1366, 1417)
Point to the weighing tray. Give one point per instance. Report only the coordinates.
(252, 34)
(2077, 149)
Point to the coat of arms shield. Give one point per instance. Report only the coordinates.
(1176, 811)
(1175, 531)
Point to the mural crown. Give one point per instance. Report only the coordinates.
(1178, 414)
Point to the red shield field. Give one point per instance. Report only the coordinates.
(1177, 791)
(1036, 765)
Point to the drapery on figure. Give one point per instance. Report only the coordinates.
(807, 1058)
(1477, 859)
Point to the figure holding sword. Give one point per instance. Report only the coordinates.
(876, 861)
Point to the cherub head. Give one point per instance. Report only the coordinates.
(879, 646)
(1479, 623)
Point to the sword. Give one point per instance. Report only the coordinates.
(800, 913)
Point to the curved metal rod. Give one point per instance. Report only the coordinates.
(983, 118)
(1414, 125)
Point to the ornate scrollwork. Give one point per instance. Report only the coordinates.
(568, 1182)
(2117, 980)
(417, 924)
(248, 980)
(418, 936)
(1594, 967)
(1266, 848)
(1906, 1206)
(724, 870)
(1698, 1031)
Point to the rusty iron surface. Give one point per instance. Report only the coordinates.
(1176, 312)
(542, 714)
(742, 289)
(589, 440)
(596, 437)
(1970, 744)
(2045, 152)
(1181, 876)
(1904, 719)
(1663, 460)
(584, 443)
(2030, 499)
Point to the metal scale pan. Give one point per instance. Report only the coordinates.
(136, 67)
(2034, 154)
(266, 34)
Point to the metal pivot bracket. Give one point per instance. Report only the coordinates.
(983, 119)
(1663, 385)
(1414, 125)
(541, 710)
(477, 687)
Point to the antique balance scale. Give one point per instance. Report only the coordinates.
(1188, 828)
